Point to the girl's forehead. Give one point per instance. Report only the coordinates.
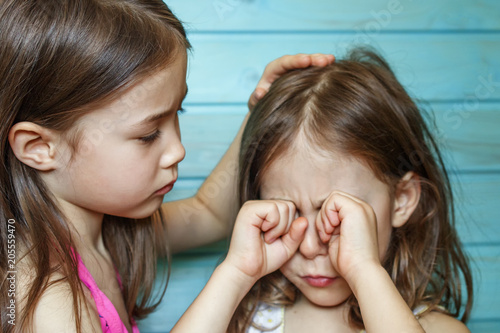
(310, 176)
(158, 92)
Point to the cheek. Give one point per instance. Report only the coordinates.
(289, 269)
(384, 230)
(284, 270)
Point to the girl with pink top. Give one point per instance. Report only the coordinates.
(89, 97)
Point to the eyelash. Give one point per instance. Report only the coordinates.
(152, 137)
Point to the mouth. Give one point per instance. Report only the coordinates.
(318, 280)
(167, 188)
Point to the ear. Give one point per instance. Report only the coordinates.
(34, 145)
(406, 198)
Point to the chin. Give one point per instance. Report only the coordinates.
(144, 215)
(327, 301)
(327, 298)
(149, 210)
(140, 213)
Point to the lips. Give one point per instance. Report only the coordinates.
(318, 281)
(167, 188)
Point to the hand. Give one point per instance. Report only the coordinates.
(265, 236)
(280, 66)
(350, 226)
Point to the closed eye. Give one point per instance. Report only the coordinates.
(151, 138)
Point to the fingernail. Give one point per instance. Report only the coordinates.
(259, 94)
(269, 241)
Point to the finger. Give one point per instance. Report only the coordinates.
(329, 213)
(292, 239)
(328, 225)
(279, 212)
(284, 64)
(337, 204)
(275, 69)
(321, 60)
(280, 66)
(333, 251)
(256, 96)
(320, 227)
(270, 217)
(332, 215)
(286, 216)
(267, 215)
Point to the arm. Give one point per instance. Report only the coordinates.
(436, 322)
(384, 310)
(208, 217)
(382, 307)
(250, 257)
(215, 305)
(350, 226)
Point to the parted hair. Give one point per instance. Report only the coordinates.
(59, 59)
(356, 106)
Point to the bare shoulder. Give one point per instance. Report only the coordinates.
(54, 311)
(436, 322)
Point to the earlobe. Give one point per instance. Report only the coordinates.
(407, 197)
(34, 145)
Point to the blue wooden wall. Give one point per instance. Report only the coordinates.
(446, 52)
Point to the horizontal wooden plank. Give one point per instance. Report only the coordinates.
(385, 15)
(190, 273)
(476, 198)
(486, 269)
(224, 68)
(469, 136)
(484, 326)
(207, 132)
(476, 202)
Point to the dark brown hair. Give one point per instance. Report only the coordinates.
(357, 106)
(58, 60)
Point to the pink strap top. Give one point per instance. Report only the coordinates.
(110, 319)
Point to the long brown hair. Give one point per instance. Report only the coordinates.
(58, 60)
(358, 107)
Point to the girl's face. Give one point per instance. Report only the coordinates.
(306, 178)
(126, 160)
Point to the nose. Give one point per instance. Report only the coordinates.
(312, 245)
(174, 151)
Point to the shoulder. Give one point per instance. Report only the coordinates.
(54, 311)
(436, 322)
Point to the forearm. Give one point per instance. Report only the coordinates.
(213, 308)
(219, 193)
(208, 216)
(382, 307)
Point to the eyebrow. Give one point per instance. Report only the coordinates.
(155, 117)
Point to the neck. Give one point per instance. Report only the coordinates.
(86, 227)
